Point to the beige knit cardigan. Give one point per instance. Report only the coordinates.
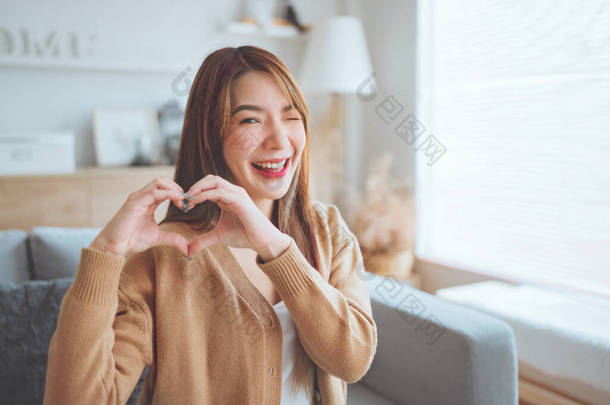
(208, 334)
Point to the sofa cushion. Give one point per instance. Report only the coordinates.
(28, 318)
(56, 251)
(14, 256)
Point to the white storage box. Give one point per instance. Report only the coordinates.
(37, 153)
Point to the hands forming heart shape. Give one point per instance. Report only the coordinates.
(134, 229)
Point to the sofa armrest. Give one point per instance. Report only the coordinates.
(432, 351)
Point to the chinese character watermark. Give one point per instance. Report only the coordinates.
(409, 308)
(407, 127)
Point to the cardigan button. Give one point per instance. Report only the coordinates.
(270, 370)
(316, 396)
(269, 322)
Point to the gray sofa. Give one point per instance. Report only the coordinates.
(429, 351)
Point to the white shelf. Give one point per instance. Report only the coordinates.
(276, 31)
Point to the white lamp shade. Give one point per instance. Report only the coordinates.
(337, 58)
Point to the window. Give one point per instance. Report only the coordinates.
(518, 92)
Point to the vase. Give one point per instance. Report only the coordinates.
(398, 265)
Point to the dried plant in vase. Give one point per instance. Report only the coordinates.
(383, 222)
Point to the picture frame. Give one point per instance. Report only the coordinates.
(126, 136)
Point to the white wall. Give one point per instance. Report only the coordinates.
(133, 51)
(390, 28)
(156, 40)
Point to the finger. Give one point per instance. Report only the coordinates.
(205, 183)
(210, 181)
(220, 197)
(161, 195)
(156, 197)
(162, 183)
(175, 240)
(203, 241)
(169, 183)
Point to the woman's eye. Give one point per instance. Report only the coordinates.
(248, 122)
(295, 119)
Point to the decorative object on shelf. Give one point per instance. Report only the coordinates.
(262, 11)
(142, 155)
(48, 44)
(292, 17)
(126, 136)
(171, 120)
(337, 62)
(278, 28)
(260, 19)
(27, 153)
(383, 222)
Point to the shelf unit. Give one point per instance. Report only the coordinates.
(88, 197)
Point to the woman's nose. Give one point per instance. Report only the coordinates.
(276, 136)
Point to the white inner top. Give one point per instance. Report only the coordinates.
(289, 339)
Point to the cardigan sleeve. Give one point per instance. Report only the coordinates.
(103, 337)
(333, 319)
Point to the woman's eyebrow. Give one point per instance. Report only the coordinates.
(286, 108)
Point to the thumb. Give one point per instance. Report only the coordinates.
(203, 241)
(175, 240)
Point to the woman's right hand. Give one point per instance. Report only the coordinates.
(134, 229)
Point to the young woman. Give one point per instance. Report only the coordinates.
(247, 292)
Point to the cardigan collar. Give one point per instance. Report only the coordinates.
(237, 275)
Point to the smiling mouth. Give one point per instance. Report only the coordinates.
(272, 169)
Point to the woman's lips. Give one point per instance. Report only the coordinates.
(265, 174)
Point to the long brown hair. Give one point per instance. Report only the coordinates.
(206, 122)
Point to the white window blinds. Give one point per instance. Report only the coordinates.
(518, 92)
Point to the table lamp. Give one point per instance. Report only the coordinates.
(337, 62)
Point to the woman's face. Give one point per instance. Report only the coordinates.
(264, 127)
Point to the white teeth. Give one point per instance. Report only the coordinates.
(271, 165)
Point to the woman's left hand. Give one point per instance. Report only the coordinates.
(241, 223)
